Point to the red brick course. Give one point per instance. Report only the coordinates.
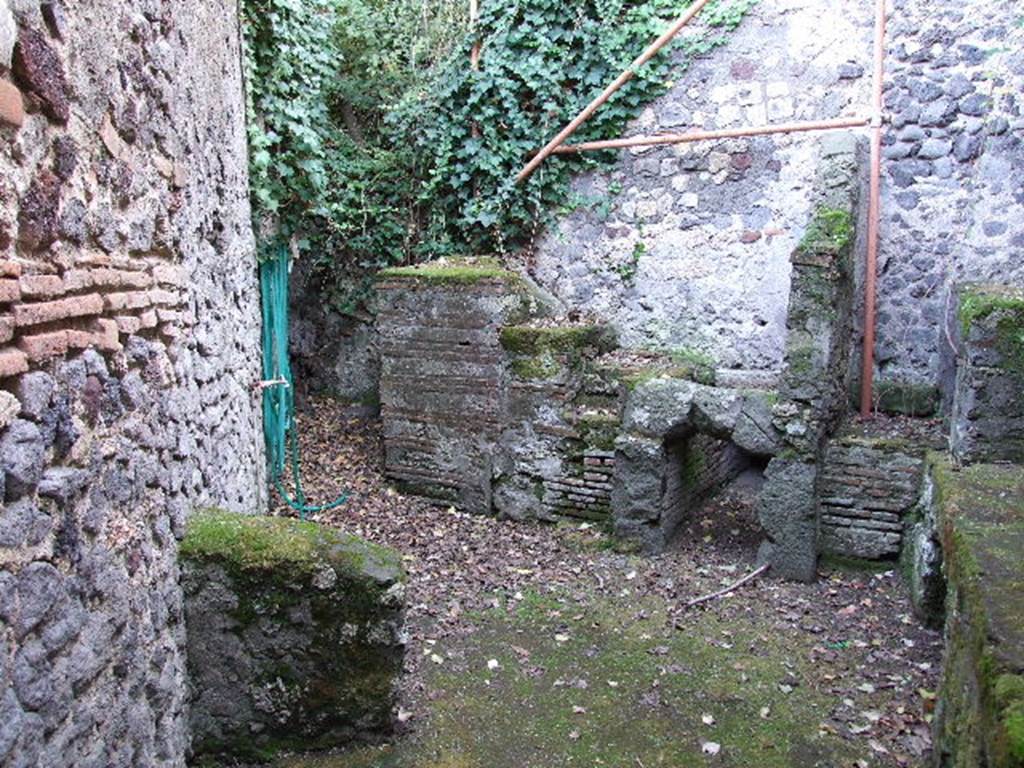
(12, 362)
(43, 346)
(49, 311)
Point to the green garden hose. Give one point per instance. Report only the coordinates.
(279, 428)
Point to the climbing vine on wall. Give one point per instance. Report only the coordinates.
(374, 143)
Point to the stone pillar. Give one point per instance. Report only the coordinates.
(443, 376)
(813, 392)
(295, 635)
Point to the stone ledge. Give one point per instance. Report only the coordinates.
(458, 272)
(295, 635)
(980, 518)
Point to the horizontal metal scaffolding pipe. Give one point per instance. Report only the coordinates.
(725, 133)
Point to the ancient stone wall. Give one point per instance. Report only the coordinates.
(129, 343)
(688, 247)
(867, 489)
(954, 160)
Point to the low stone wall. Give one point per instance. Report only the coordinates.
(547, 419)
(295, 635)
(866, 490)
(979, 517)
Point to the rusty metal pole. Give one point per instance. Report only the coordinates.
(874, 216)
(474, 22)
(474, 55)
(665, 38)
(724, 133)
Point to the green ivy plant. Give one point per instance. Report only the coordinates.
(374, 143)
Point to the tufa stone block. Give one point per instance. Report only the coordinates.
(39, 69)
(295, 634)
(38, 217)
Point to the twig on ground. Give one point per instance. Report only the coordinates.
(730, 588)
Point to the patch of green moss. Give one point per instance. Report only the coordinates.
(800, 361)
(980, 511)
(831, 231)
(527, 340)
(847, 564)
(980, 302)
(599, 430)
(1009, 695)
(536, 368)
(907, 398)
(257, 543)
(567, 673)
(465, 271)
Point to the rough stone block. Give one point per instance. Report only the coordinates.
(9, 408)
(659, 406)
(295, 634)
(39, 69)
(38, 224)
(788, 510)
(22, 454)
(988, 403)
(6, 328)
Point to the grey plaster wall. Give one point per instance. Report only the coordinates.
(709, 228)
(129, 342)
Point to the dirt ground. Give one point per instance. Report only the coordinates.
(543, 645)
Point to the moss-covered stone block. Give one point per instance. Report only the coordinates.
(830, 234)
(980, 514)
(295, 635)
(538, 353)
(988, 407)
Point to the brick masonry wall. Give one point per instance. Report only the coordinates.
(442, 394)
(866, 491)
(129, 342)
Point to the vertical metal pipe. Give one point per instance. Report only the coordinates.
(474, 22)
(874, 216)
